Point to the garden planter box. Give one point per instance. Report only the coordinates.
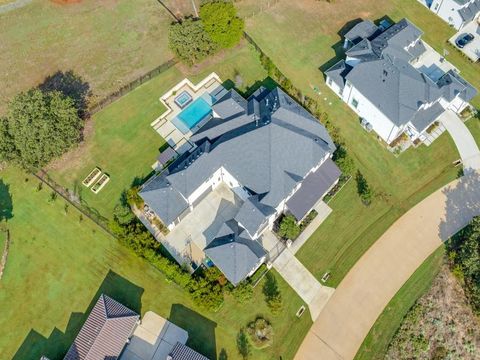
(100, 183)
(90, 179)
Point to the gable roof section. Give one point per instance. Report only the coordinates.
(338, 72)
(183, 352)
(313, 188)
(362, 30)
(234, 252)
(253, 214)
(105, 332)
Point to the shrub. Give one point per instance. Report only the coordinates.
(221, 22)
(243, 292)
(260, 333)
(243, 345)
(289, 228)
(134, 198)
(363, 189)
(190, 42)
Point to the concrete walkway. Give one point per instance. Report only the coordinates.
(464, 141)
(383, 269)
(303, 282)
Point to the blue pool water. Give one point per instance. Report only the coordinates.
(183, 99)
(193, 114)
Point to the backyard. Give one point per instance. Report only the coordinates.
(59, 263)
(121, 142)
(303, 37)
(108, 43)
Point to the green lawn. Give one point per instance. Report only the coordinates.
(474, 127)
(123, 143)
(302, 37)
(376, 343)
(58, 266)
(108, 43)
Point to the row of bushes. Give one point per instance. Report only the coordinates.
(341, 156)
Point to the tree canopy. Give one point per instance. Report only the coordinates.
(221, 22)
(39, 127)
(190, 42)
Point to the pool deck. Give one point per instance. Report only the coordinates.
(163, 124)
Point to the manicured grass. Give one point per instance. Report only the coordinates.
(108, 43)
(123, 143)
(376, 343)
(3, 237)
(58, 265)
(474, 127)
(302, 37)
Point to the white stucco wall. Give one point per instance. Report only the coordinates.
(211, 182)
(332, 85)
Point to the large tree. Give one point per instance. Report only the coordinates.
(222, 23)
(190, 42)
(39, 127)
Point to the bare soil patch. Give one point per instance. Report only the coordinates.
(441, 325)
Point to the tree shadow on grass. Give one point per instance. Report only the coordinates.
(201, 331)
(462, 204)
(6, 203)
(70, 85)
(57, 344)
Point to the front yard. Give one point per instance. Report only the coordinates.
(58, 265)
(120, 140)
(301, 37)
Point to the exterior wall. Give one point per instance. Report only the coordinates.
(262, 260)
(448, 11)
(382, 125)
(332, 85)
(352, 61)
(457, 105)
(233, 184)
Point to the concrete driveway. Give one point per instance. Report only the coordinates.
(383, 269)
(303, 282)
(464, 141)
(472, 50)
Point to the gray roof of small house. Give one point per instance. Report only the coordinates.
(105, 332)
(183, 352)
(452, 84)
(362, 30)
(269, 156)
(469, 12)
(234, 252)
(313, 189)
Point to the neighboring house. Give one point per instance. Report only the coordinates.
(105, 332)
(378, 81)
(264, 149)
(456, 13)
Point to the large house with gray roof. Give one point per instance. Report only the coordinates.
(264, 148)
(383, 80)
(456, 13)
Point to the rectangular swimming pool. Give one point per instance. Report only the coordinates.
(193, 113)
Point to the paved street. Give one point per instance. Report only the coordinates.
(383, 269)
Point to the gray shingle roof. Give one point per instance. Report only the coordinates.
(105, 332)
(362, 30)
(425, 117)
(253, 214)
(338, 72)
(183, 352)
(234, 252)
(387, 79)
(469, 12)
(269, 156)
(313, 188)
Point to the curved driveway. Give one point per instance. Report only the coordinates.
(383, 269)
